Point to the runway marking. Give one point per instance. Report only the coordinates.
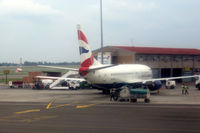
(11, 118)
(28, 111)
(24, 119)
(58, 106)
(84, 106)
(50, 103)
(49, 106)
(33, 119)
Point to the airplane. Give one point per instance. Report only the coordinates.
(52, 82)
(105, 77)
(19, 68)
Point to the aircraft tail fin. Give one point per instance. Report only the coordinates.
(87, 59)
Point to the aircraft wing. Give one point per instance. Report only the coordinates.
(165, 79)
(63, 68)
(181, 77)
(74, 69)
(61, 78)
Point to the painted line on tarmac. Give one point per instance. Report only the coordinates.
(84, 106)
(50, 103)
(25, 119)
(28, 111)
(49, 106)
(33, 119)
(58, 106)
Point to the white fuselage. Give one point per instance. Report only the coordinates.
(126, 73)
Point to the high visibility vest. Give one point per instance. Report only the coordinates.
(186, 87)
(183, 87)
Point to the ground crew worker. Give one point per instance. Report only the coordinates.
(112, 95)
(183, 88)
(186, 90)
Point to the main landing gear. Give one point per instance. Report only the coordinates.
(106, 91)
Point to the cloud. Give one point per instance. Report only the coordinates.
(119, 10)
(136, 6)
(25, 7)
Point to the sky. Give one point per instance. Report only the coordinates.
(45, 30)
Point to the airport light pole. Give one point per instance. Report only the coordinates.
(101, 31)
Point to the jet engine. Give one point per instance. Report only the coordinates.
(156, 85)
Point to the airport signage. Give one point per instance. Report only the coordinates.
(187, 69)
(6, 72)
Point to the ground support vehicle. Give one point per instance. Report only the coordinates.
(139, 93)
(15, 84)
(74, 85)
(197, 84)
(128, 93)
(38, 86)
(170, 84)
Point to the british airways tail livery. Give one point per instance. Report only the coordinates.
(106, 77)
(86, 58)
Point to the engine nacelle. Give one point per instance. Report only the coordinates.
(156, 85)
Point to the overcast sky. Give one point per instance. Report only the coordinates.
(45, 30)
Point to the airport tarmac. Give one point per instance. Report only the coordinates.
(50, 111)
(98, 118)
(166, 96)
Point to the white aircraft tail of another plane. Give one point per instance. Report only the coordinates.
(19, 68)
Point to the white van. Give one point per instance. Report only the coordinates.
(170, 84)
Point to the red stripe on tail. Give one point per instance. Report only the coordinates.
(83, 70)
(82, 37)
(88, 62)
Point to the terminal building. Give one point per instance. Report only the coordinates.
(165, 62)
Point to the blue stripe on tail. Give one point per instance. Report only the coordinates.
(83, 50)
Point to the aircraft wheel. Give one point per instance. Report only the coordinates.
(146, 100)
(133, 100)
(104, 91)
(115, 97)
(172, 87)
